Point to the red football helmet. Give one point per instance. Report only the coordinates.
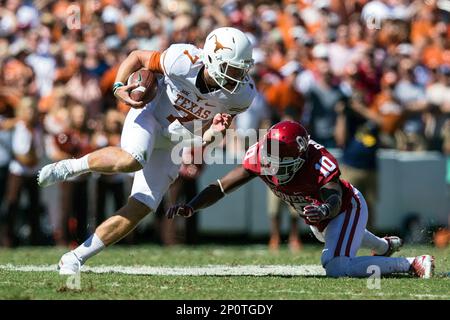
(284, 150)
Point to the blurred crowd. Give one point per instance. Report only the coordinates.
(360, 75)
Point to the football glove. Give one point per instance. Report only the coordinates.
(316, 213)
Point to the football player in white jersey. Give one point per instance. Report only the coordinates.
(210, 85)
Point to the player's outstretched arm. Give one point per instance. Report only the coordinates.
(136, 60)
(213, 193)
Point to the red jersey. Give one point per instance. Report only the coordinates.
(319, 168)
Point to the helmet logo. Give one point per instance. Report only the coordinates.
(302, 143)
(220, 46)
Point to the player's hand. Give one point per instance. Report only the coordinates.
(180, 210)
(123, 94)
(314, 213)
(221, 122)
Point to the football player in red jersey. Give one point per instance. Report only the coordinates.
(306, 176)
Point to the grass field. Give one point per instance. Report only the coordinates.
(47, 284)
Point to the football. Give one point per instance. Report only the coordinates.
(146, 91)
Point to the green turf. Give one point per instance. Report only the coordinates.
(48, 285)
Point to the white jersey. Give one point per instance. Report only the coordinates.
(180, 101)
(171, 114)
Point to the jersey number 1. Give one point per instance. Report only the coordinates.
(325, 166)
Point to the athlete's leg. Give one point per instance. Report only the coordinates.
(149, 186)
(112, 160)
(137, 141)
(107, 233)
(343, 238)
(122, 222)
(371, 241)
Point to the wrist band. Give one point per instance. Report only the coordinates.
(220, 185)
(117, 85)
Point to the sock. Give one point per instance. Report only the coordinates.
(89, 248)
(358, 266)
(79, 166)
(377, 244)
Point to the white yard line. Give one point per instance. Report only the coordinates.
(216, 270)
(208, 270)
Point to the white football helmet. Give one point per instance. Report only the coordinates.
(227, 55)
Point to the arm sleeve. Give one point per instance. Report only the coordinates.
(154, 63)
